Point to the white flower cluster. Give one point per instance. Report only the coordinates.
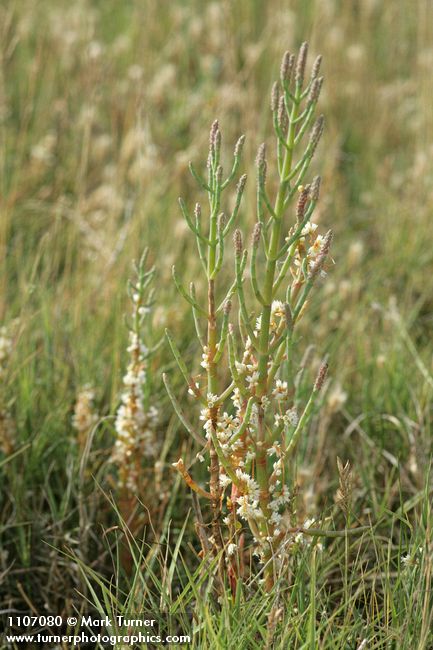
(224, 481)
(274, 450)
(280, 390)
(277, 467)
(248, 503)
(247, 368)
(135, 427)
(412, 560)
(315, 244)
(244, 500)
(279, 501)
(289, 418)
(136, 347)
(231, 549)
(84, 417)
(5, 349)
(248, 508)
(205, 358)
(226, 427)
(300, 538)
(278, 316)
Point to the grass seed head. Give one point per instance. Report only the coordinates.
(213, 137)
(241, 184)
(286, 69)
(302, 204)
(315, 188)
(239, 146)
(275, 96)
(315, 89)
(316, 134)
(261, 163)
(343, 496)
(256, 234)
(237, 238)
(321, 376)
(222, 220)
(301, 63)
(282, 116)
(316, 67)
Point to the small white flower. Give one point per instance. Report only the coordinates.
(265, 402)
(208, 427)
(205, 358)
(84, 416)
(314, 249)
(229, 422)
(277, 308)
(237, 399)
(248, 509)
(280, 390)
(253, 379)
(211, 399)
(254, 415)
(292, 417)
(277, 466)
(274, 450)
(225, 480)
(231, 549)
(190, 390)
(275, 518)
(309, 229)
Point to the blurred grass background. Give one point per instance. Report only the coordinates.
(102, 105)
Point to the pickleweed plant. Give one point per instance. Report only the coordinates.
(253, 423)
(136, 448)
